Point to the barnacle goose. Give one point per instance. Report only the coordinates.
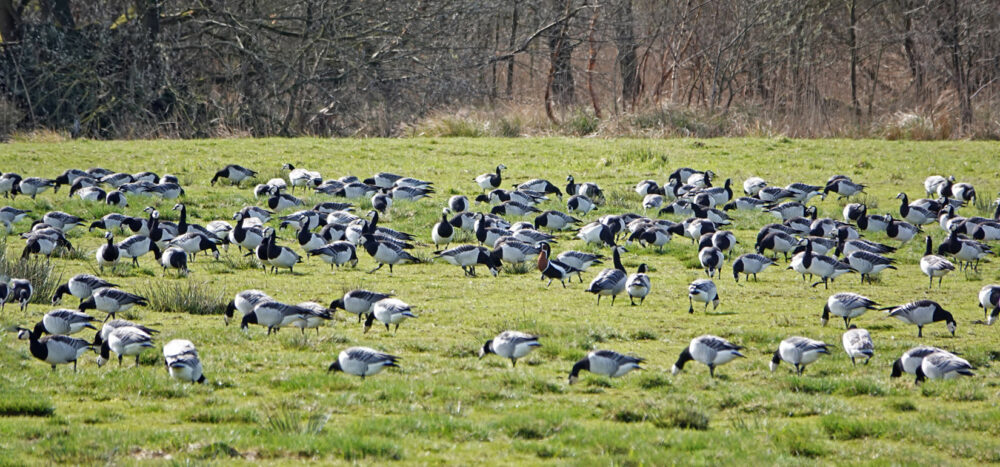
(798, 351)
(65, 322)
(183, 363)
(989, 299)
(389, 311)
(847, 305)
(111, 301)
(21, 291)
(443, 231)
(274, 315)
(750, 264)
(234, 173)
(605, 363)
(81, 286)
(933, 265)
(510, 344)
(943, 365)
(32, 186)
(337, 253)
(54, 350)
(858, 343)
(469, 256)
(610, 281)
(244, 301)
(362, 361)
(174, 258)
(638, 285)
(489, 181)
(127, 340)
(921, 313)
(709, 350)
(704, 291)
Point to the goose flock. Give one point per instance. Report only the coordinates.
(511, 228)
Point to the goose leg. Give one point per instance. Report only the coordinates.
(376, 269)
(711, 371)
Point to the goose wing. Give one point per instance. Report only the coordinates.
(617, 358)
(718, 344)
(369, 356)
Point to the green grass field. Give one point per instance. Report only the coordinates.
(271, 399)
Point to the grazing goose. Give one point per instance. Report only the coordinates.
(337, 254)
(711, 259)
(111, 301)
(174, 258)
(789, 210)
(124, 341)
(21, 292)
(489, 181)
(637, 285)
(81, 286)
(750, 263)
(858, 343)
(389, 311)
(8, 184)
(54, 350)
(384, 252)
(703, 291)
(651, 235)
(282, 201)
(410, 193)
(318, 314)
(964, 250)
(866, 264)
(64, 322)
(610, 281)
(921, 313)
(510, 344)
(581, 204)
(876, 223)
(826, 267)
(933, 265)
(362, 361)
(383, 179)
(541, 186)
(243, 236)
(10, 216)
(245, 301)
(943, 365)
(911, 360)
(108, 254)
(555, 220)
(652, 201)
(648, 187)
(777, 241)
(358, 301)
(914, 214)
(234, 173)
(745, 204)
(844, 187)
(136, 246)
(117, 180)
(596, 232)
(115, 221)
(588, 189)
(68, 177)
(774, 194)
(932, 183)
(989, 299)
(579, 261)
(709, 350)
(309, 241)
(61, 221)
(802, 192)
(302, 177)
(798, 351)
(847, 305)
(553, 268)
(458, 204)
(194, 242)
(32, 186)
(513, 208)
(901, 231)
(90, 193)
(443, 231)
(469, 256)
(605, 363)
(753, 185)
(515, 251)
(181, 358)
(276, 256)
(274, 315)
(961, 192)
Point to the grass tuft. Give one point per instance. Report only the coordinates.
(25, 405)
(184, 297)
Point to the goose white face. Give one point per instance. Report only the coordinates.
(951, 327)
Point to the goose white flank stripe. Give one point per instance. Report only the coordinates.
(911, 360)
(708, 350)
(605, 363)
(510, 344)
(363, 362)
(858, 343)
(799, 352)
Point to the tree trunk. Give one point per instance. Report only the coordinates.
(9, 22)
(910, 49)
(150, 13)
(59, 12)
(561, 51)
(852, 43)
(628, 65)
(950, 33)
(510, 62)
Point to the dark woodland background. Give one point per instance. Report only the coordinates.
(920, 69)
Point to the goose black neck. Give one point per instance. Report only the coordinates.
(927, 251)
(617, 260)
(684, 357)
(583, 364)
